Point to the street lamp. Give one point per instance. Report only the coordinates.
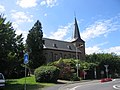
(77, 65)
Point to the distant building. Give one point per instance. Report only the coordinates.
(56, 49)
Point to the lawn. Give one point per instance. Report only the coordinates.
(31, 84)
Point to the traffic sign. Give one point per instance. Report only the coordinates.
(106, 67)
(26, 58)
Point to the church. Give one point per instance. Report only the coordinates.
(56, 49)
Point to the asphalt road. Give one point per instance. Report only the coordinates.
(92, 85)
(95, 85)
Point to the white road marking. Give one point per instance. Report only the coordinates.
(91, 84)
(82, 85)
(116, 87)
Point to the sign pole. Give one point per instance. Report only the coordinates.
(95, 72)
(25, 62)
(25, 78)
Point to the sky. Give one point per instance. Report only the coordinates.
(98, 20)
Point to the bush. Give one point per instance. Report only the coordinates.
(47, 74)
(74, 77)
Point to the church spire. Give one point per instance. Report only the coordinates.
(76, 35)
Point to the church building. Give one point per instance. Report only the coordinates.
(56, 49)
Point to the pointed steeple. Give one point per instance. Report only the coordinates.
(76, 31)
(76, 34)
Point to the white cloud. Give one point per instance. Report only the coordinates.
(49, 3)
(97, 49)
(94, 49)
(115, 49)
(2, 8)
(20, 17)
(101, 27)
(24, 33)
(61, 32)
(27, 3)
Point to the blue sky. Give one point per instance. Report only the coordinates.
(98, 20)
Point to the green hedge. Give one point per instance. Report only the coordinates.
(47, 74)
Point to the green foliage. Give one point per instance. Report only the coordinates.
(11, 51)
(13, 84)
(46, 74)
(34, 45)
(74, 77)
(102, 59)
(67, 68)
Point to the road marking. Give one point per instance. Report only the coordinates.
(82, 85)
(90, 84)
(116, 87)
(74, 88)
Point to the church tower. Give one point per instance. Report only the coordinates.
(78, 42)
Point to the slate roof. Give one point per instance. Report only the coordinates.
(59, 45)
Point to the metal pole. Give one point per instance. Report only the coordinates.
(106, 66)
(95, 72)
(77, 70)
(107, 73)
(84, 74)
(77, 62)
(25, 78)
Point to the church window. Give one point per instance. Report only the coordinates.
(69, 47)
(54, 45)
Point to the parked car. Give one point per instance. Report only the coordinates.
(2, 80)
(106, 79)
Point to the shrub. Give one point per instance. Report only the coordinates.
(74, 77)
(47, 74)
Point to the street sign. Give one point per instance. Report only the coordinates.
(26, 58)
(106, 67)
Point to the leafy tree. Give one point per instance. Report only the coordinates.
(35, 46)
(11, 48)
(102, 59)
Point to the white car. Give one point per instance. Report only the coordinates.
(2, 80)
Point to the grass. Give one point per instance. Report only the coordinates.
(31, 84)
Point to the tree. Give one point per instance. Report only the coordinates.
(102, 59)
(34, 45)
(11, 48)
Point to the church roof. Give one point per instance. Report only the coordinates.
(59, 45)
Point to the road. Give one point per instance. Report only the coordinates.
(92, 85)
